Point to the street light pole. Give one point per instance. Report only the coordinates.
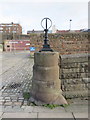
(70, 24)
(13, 36)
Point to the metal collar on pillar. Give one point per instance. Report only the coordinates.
(46, 46)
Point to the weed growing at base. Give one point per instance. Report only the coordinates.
(51, 106)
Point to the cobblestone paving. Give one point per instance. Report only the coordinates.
(16, 79)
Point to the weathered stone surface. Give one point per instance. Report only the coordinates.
(46, 59)
(74, 75)
(76, 94)
(71, 87)
(45, 73)
(75, 59)
(46, 83)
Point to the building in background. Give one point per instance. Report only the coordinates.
(62, 31)
(67, 31)
(35, 31)
(54, 29)
(8, 28)
(13, 45)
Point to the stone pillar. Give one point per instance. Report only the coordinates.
(46, 83)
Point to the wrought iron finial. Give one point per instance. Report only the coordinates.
(47, 19)
(46, 46)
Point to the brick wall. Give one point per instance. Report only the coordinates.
(74, 75)
(65, 43)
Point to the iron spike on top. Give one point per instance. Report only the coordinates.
(46, 46)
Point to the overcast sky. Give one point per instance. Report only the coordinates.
(29, 14)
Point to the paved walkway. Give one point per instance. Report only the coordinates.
(16, 79)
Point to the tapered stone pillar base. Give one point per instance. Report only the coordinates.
(46, 83)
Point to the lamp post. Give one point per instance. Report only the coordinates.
(13, 37)
(12, 30)
(46, 46)
(70, 24)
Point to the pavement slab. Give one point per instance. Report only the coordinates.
(19, 115)
(55, 115)
(28, 109)
(42, 109)
(1, 114)
(77, 108)
(80, 115)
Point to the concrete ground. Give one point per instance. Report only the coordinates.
(15, 79)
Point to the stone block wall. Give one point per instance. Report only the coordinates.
(74, 75)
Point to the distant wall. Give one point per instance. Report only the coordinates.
(74, 75)
(65, 43)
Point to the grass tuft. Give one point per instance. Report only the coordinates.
(26, 95)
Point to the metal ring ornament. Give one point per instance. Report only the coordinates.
(46, 19)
